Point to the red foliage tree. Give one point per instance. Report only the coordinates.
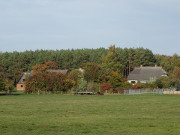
(43, 81)
(105, 86)
(49, 82)
(51, 65)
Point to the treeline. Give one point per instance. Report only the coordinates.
(13, 64)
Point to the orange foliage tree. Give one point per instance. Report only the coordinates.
(49, 83)
(51, 65)
(44, 81)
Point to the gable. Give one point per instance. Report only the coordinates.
(24, 77)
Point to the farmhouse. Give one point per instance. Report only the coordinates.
(145, 74)
(21, 83)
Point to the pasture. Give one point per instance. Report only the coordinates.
(92, 115)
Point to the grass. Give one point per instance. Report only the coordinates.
(91, 115)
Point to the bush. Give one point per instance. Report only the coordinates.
(49, 82)
(118, 90)
(82, 86)
(105, 87)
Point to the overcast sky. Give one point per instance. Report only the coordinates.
(63, 24)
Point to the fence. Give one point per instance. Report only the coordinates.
(143, 91)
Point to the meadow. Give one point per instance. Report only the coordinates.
(92, 115)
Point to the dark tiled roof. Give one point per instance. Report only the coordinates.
(146, 73)
(59, 71)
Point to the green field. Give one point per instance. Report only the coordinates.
(91, 115)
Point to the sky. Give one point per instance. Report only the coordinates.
(67, 24)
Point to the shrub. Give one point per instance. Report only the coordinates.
(118, 90)
(105, 86)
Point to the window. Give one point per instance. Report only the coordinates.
(23, 80)
(164, 74)
(21, 86)
(133, 81)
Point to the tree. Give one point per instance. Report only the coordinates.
(159, 83)
(51, 65)
(116, 79)
(112, 61)
(91, 72)
(167, 82)
(2, 85)
(1, 70)
(91, 86)
(82, 86)
(176, 75)
(39, 68)
(105, 86)
(44, 81)
(49, 82)
(76, 75)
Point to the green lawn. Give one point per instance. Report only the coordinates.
(91, 115)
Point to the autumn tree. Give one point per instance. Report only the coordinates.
(51, 65)
(91, 72)
(49, 83)
(39, 68)
(176, 75)
(116, 79)
(105, 86)
(44, 81)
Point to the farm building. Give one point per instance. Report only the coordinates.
(21, 84)
(145, 74)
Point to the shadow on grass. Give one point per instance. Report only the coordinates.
(10, 94)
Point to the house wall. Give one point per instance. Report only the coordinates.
(143, 81)
(20, 87)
